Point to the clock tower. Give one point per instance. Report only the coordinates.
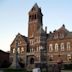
(35, 20)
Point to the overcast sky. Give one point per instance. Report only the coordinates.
(14, 17)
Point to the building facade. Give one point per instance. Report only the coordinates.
(41, 47)
(4, 59)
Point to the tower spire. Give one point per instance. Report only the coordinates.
(35, 20)
(35, 5)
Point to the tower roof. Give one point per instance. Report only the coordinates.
(35, 7)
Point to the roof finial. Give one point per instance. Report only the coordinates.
(35, 5)
(63, 25)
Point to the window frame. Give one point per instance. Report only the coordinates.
(62, 47)
(56, 47)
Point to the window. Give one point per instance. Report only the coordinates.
(68, 57)
(37, 39)
(37, 48)
(68, 46)
(31, 42)
(13, 50)
(62, 46)
(51, 58)
(18, 50)
(20, 42)
(30, 18)
(55, 36)
(56, 47)
(50, 48)
(35, 16)
(22, 49)
(40, 47)
(61, 35)
(31, 49)
(32, 61)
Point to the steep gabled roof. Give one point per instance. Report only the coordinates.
(62, 29)
(35, 8)
(23, 37)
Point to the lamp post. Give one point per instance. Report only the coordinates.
(15, 63)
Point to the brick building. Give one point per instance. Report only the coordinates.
(41, 47)
(4, 58)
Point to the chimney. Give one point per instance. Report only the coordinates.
(46, 29)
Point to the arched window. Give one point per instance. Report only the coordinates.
(31, 49)
(32, 61)
(18, 50)
(68, 46)
(50, 48)
(55, 36)
(35, 16)
(56, 47)
(61, 35)
(51, 57)
(37, 48)
(30, 18)
(13, 50)
(22, 49)
(69, 57)
(40, 47)
(62, 46)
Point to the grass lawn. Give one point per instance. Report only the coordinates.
(66, 71)
(13, 70)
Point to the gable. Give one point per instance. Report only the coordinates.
(22, 40)
(61, 33)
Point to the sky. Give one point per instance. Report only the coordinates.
(14, 17)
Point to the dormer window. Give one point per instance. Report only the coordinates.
(61, 35)
(55, 36)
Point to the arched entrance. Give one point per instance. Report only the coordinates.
(31, 60)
